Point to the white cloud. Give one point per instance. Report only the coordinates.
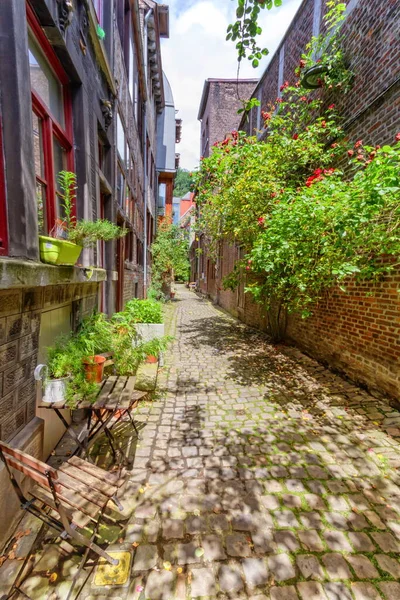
(197, 50)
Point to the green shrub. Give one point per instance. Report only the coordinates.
(144, 311)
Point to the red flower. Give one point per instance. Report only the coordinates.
(296, 136)
(318, 172)
(302, 63)
(323, 124)
(261, 221)
(350, 152)
(303, 98)
(358, 144)
(331, 107)
(335, 145)
(397, 138)
(273, 195)
(266, 115)
(279, 100)
(284, 86)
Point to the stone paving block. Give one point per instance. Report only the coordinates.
(160, 585)
(390, 589)
(312, 520)
(286, 541)
(219, 523)
(309, 566)
(337, 591)
(203, 582)
(263, 541)
(255, 572)
(361, 542)
(386, 541)
(285, 519)
(285, 592)
(362, 566)
(230, 579)
(146, 558)
(365, 591)
(213, 548)
(172, 529)
(336, 566)
(336, 540)
(186, 553)
(389, 565)
(281, 567)
(315, 502)
(237, 544)
(311, 590)
(311, 540)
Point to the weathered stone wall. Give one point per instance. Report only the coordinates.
(20, 315)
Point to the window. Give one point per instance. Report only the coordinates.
(98, 7)
(3, 208)
(51, 124)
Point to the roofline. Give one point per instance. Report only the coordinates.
(188, 210)
(206, 89)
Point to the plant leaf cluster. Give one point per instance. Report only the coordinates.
(97, 334)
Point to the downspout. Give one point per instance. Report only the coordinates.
(146, 20)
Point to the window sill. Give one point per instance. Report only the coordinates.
(16, 273)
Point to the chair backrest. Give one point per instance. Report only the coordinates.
(28, 465)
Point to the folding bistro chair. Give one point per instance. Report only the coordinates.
(67, 499)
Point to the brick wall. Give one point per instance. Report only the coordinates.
(357, 332)
(20, 316)
(220, 116)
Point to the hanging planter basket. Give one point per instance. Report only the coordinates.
(311, 78)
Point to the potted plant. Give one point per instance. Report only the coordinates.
(63, 363)
(146, 318)
(153, 348)
(94, 338)
(69, 236)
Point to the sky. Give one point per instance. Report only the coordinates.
(197, 50)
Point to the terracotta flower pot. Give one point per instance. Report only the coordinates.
(172, 295)
(151, 358)
(94, 367)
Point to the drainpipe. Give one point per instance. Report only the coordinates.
(146, 20)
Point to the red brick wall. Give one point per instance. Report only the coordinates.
(357, 332)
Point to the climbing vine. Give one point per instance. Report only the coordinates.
(303, 223)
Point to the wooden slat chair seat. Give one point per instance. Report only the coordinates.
(68, 499)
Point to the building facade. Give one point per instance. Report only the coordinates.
(357, 332)
(81, 89)
(220, 101)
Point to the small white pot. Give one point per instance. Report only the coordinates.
(55, 390)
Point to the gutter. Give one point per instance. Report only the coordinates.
(145, 187)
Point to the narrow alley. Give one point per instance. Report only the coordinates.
(260, 474)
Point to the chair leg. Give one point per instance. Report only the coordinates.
(75, 535)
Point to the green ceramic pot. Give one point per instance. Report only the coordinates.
(58, 252)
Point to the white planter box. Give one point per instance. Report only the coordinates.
(146, 332)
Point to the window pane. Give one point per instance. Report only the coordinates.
(120, 187)
(38, 145)
(41, 207)
(60, 164)
(44, 82)
(120, 139)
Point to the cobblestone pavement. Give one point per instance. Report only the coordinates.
(259, 475)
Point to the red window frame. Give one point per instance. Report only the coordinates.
(50, 127)
(3, 205)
